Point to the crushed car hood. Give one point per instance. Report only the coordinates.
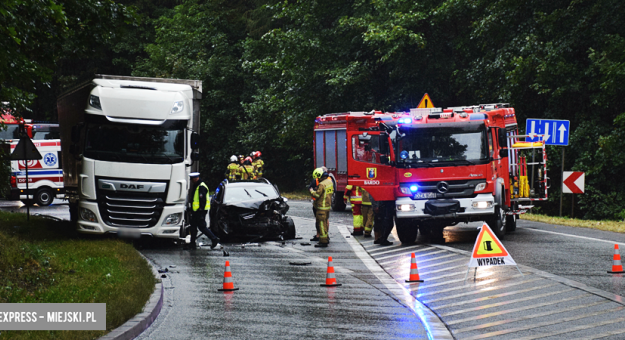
(258, 204)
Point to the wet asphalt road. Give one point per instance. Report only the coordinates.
(277, 300)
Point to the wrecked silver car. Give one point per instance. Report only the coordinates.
(250, 209)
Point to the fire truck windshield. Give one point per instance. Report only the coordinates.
(134, 143)
(438, 145)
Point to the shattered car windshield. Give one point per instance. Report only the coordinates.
(251, 192)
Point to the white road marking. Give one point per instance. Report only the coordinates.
(514, 310)
(549, 323)
(496, 296)
(529, 317)
(483, 290)
(462, 311)
(575, 236)
(390, 251)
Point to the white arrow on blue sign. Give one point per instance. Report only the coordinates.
(556, 131)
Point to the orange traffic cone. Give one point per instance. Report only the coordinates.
(228, 284)
(414, 272)
(330, 279)
(617, 267)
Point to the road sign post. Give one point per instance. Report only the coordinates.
(27, 151)
(554, 132)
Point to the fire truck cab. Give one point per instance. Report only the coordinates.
(437, 167)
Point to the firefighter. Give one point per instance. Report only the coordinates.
(323, 201)
(247, 169)
(354, 194)
(233, 169)
(367, 213)
(200, 204)
(313, 185)
(258, 164)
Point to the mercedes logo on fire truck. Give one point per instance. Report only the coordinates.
(442, 187)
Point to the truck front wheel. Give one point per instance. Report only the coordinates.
(406, 230)
(337, 201)
(498, 222)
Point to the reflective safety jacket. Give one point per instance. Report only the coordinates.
(323, 194)
(201, 193)
(366, 197)
(247, 172)
(232, 171)
(354, 193)
(258, 167)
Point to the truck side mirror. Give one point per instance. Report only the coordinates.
(384, 144)
(195, 156)
(503, 138)
(195, 141)
(503, 152)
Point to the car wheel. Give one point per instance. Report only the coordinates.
(337, 201)
(44, 197)
(406, 230)
(219, 226)
(290, 229)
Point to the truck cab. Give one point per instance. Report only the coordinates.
(131, 144)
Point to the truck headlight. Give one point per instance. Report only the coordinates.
(178, 107)
(482, 205)
(405, 207)
(95, 102)
(88, 215)
(172, 219)
(480, 186)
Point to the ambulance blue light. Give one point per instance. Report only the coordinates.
(414, 188)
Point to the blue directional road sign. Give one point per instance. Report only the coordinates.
(556, 131)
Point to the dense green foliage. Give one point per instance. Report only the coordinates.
(270, 67)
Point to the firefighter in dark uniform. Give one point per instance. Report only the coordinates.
(200, 204)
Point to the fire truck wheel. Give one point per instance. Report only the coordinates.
(337, 201)
(406, 230)
(44, 197)
(511, 223)
(498, 222)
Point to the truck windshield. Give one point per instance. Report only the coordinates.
(442, 145)
(135, 143)
(11, 132)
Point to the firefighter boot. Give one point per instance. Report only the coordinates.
(358, 232)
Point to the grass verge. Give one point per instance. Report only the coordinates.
(614, 226)
(45, 261)
(297, 195)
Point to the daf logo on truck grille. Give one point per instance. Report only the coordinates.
(442, 187)
(117, 185)
(131, 186)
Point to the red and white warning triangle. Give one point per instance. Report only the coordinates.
(488, 251)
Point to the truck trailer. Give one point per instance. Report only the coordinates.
(436, 167)
(128, 145)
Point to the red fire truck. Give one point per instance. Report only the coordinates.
(435, 167)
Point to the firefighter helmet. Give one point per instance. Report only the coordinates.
(233, 158)
(257, 154)
(317, 173)
(248, 159)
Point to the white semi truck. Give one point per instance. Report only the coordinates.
(128, 145)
